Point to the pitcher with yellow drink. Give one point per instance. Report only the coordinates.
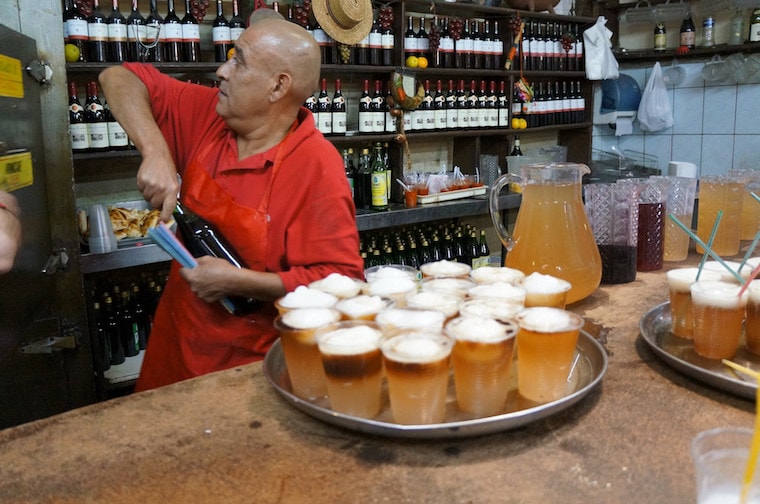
(552, 234)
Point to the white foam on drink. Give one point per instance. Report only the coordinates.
(681, 279)
(499, 290)
(350, 340)
(543, 319)
(380, 272)
(480, 329)
(492, 274)
(459, 286)
(445, 269)
(361, 305)
(445, 302)
(309, 318)
(338, 285)
(725, 275)
(390, 286)
(545, 284)
(410, 319)
(417, 347)
(721, 294)
(491, 308)
(304, 297)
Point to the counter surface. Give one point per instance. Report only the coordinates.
(229, 437)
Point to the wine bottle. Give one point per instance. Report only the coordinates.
(97, 127)
(117, 137)
(754, 26)
(338, 110)
(237, 25)
(516, 151)
(324, 110)
(117, 34)
(191, 36)
(377, 108)
(80, 140)
(688, 33)
(348, 169)
(423, 42)
(379, 179)
(154, 26)
(203, 239)
(76, 29)
(97, 30)
(439, 108)
(172, 35)
(452, 116)
(376, 44)
(410, 39)
(220, 34)
(112, 332)
(136, 34)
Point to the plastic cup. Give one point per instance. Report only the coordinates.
(299, 348)
(545, 290)
(716, 193)
(482, 359)
(363, 307)
(353, 366)
(679, 289)
(720, 458)
(718, 315)
(417, 368)
(304, 297)
(101, 238)
(546, 345)
(752, 323)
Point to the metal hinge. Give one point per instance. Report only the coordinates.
(40, 70)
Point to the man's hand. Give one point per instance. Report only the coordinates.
(158, 183)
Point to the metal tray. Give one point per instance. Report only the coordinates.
(588, 370)
(679, 353)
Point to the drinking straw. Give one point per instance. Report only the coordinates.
(750, 250)
(406, 187)
(709, 243)
(702, 244)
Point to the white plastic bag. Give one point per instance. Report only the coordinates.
(600, 62)
(655, 113)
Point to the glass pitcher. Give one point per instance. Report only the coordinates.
(552, 234)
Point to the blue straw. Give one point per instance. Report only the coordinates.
(709, 244)
(702, 244)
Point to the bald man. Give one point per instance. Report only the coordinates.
(251, 163)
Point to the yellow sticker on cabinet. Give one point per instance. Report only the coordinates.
(16, 171)
(11, 79)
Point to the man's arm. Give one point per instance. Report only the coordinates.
(10, 230)
(129, 102)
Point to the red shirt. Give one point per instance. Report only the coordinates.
(313, 225)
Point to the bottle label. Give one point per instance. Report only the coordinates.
(221, 35)
(173, 32)
(117, 32)
(98, 135)
(98, 32)
(77, 29)
(80, 138)
(379, 182)
(191, 33)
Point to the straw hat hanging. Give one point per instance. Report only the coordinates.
(347, 21)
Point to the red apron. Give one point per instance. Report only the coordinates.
(191, 337)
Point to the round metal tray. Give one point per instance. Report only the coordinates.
(588, 369)
(679, 353)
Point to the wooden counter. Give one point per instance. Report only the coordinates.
(229, 437)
